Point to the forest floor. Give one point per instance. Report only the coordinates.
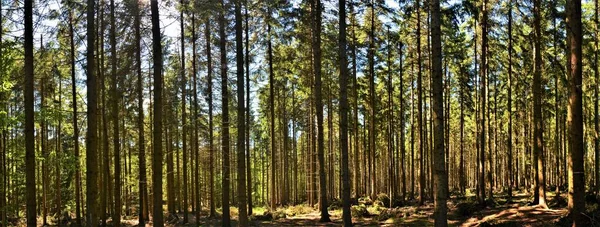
(461, 212)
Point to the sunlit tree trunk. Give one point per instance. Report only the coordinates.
(576, 203)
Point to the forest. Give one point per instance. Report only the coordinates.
(299, 113)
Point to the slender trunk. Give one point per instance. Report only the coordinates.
(482, 108)
(91, 138)
(29, 115)
(538, 145)
(420, 110)
(225, 116)
(211, 148)
(157, 156)
(143, 212)
(241, 123)
(439, 160)
(510, 131)
(357, 190)
(372, 109)
(272, 113)
(596, 120)
(402, 123)
(316, 47)
(184, 114)
(75, 125)
(344, 109)
(248, 116)
(115, 118)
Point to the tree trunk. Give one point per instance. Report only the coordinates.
(248, 116)
(510, 131)
(116, 218)
(272, 112)
(241, 123)
(538, 145)
(344, 109)
(439, 159)
(420, 110)
(211, 148)
(482, 108)
(91, 138)
(29, 115)
(576, 203)
(75, 124)
(372, 104)
(157, 156)
(184, 114)
(225, 115)
(316, 47)
(143, 212)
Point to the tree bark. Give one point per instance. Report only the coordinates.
(157, 156)
(91, 138)
(241, 115)
(576, 203)
(29, 116)
(225, 115)
(344, 109)
(439, 160)
(538, 145)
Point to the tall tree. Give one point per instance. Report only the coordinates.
(576, 173)
(538, 145)
(271, 107)
(510, 131)
(248, 116)
(420, 110)
(29, 116)
(92, 116)
(184, 112)
(344, 109)
(115, 117)
(596, 117)
(157, 156)
(372, 104)
(241, 114)
(316, 48)
(75, 124)
(482, 97)
(143, 210)
(225, 117)
(210, 115)
(439, 160)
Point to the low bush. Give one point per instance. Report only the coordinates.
(359, 211)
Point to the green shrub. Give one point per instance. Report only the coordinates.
(359, 211)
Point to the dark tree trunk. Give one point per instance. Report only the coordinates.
(29, 115)
(344, 109)
(91, 138)
(157, 156)
(316, 47)
(241, 115)
(75, 124)
(248, 116)
(225, 115)
(210, 117)
(116, 218)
